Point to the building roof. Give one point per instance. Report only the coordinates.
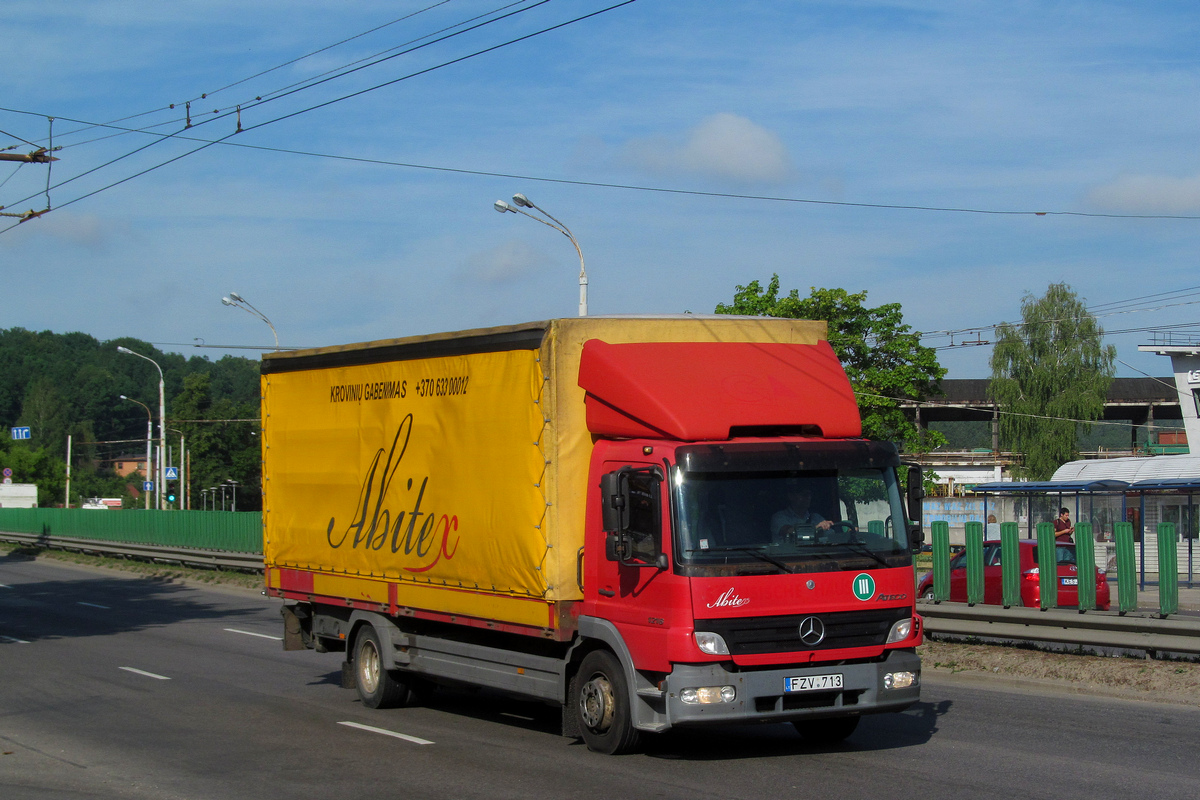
(1131, 469)
(1174, 473)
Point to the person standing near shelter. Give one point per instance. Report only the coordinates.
(1063, 527)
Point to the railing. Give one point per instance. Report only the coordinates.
(237, 532)
(162, 554)
(1076, 626)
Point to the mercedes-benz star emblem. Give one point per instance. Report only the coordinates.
(812, 631)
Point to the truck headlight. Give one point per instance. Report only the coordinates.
(900, 631)
(707, 695)
(711, 643)
(899, 680)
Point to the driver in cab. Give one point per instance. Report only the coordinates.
(797, 522)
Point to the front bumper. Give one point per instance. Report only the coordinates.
(761, 696)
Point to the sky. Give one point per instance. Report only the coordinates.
(690, 148)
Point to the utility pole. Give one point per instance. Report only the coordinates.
(67, 499)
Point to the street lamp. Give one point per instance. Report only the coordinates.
(233, 486)
(162, 421)
(149, 439)
(524, 202)
(237, 301)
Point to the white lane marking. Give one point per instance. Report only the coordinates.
(14, 640)
(93, 605)
(403, 736)
(147, 674)
(252, 633)
(4, 586)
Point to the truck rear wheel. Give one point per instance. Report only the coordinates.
(826, 731)
(602, 699)
(377, 687)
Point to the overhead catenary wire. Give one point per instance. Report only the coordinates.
(121, 131)
(164, 137)
(209, 143)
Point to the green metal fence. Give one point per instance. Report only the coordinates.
(236, 532)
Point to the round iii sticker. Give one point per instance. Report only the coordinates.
(864, 586)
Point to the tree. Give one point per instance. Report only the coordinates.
(70, 384)
(1048, 373)
(883, 357)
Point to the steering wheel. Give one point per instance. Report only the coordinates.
(845, 526)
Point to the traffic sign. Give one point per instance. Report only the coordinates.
(172, 473)
(147, 486)
(8, 472)
(21, 433)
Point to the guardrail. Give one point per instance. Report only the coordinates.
(1154, 636)
(166, 554)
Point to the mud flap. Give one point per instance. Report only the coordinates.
(349, 681)
(294, 635)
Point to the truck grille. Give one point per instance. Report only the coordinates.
(754, 635)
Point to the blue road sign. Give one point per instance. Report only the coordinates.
(172, 473)
(147, 486)
(21, 433)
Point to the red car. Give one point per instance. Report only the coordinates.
(1031, 592)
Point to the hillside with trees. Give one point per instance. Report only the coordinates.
(71, 384)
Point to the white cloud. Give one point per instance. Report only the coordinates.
(1149, 194)
(724, 146)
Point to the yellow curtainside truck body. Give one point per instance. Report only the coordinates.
(444, 476)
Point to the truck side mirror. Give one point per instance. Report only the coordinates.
(614, 502)
(914, 495)
(631, 517)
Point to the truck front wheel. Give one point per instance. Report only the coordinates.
(377, 687)
(602, 699)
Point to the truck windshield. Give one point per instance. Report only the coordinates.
(753, 522)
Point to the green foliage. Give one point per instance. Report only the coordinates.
(1049, 371)
(221, 450)
(35, 465)
(60, 384)
(882, 356)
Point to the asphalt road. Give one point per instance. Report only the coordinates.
(114, 686)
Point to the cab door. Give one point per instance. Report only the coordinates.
(635, 588)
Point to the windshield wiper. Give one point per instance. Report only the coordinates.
(760, 555)
(863, 550)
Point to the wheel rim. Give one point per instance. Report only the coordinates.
(596, 703)
(368, 667)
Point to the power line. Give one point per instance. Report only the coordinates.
(209, 143)
(313, 81)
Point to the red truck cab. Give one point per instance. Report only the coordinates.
(749, 578)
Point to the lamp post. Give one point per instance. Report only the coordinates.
(149, 438)
(204, 499)
(162, 421)
(233, 487)
(524, 202)
(237, 301)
